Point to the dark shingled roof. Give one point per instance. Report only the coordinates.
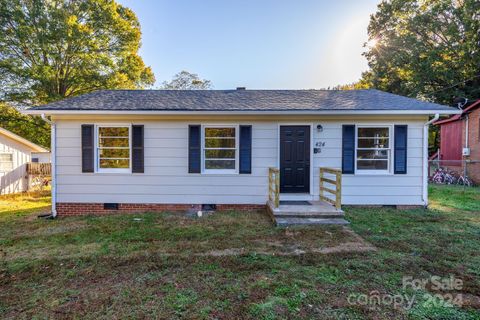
(241, 100)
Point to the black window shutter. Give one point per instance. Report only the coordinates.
(194, 156)
(87, 148)
(348, 148)
(137, 149)
(400, 149)
(245, 165)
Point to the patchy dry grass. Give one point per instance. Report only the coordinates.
(446, 198)
(17, 205)
(233, 265)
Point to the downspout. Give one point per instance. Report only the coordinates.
(53, 147)
(465, 159)
(466, 131)
(425, 158)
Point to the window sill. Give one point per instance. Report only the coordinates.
(127, 171)
(220, 172)
(372, 173)
(112, 173)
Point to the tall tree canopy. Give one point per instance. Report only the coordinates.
(185, 80)
(425, 48)
(51, 50)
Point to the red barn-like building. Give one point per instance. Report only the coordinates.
(460, 140)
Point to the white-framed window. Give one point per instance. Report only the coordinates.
(220, 149)
(113, 148)
(6, 162)
(373, 152)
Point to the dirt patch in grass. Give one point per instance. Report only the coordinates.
(347, 247)
(68, 251)
(224, 252)
(292, 247)
(470, 300)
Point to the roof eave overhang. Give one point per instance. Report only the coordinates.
(34, 147)
(212, 112)
(448, 120)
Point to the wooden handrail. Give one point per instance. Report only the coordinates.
(274, 186)
(331, 170)
(337, 182)
(39, 168)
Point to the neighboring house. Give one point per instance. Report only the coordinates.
(15, 153)
(136, 150)
(41, 157)
(460, 141)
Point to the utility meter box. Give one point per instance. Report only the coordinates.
(466, 152)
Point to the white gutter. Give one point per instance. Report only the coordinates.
(234, 112)
(53, 147)
(425, 158)
(466, 131)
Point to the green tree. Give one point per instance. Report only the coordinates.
(426, 49)
(31, 128)
(50, 50)
(350, 86)
(185, 80)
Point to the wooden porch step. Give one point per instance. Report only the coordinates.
(285, 222)
(315, 213)
(320, 215)
(314, 207)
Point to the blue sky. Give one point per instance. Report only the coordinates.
(259, 44)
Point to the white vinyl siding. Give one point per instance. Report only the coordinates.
(166, 178)
(43, 157)
(6, 162)
(373, 189)
(13, 180)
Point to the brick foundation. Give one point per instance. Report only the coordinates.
(409, 207)
(379, 206)
(74, 209)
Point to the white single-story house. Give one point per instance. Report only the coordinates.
(132, 150)
(15, 153)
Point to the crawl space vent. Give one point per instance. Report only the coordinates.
(110, 206)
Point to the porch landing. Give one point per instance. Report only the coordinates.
(317, 212)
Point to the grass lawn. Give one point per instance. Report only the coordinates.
(235, 265)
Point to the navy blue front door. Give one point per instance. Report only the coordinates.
(294, 159)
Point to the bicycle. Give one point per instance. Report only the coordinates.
(464, 181)
(443, 176)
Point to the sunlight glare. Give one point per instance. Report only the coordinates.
(372, 43)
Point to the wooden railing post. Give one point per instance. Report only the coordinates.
(337, 182)
(338, 196)
(274, 186)
(321, 183)
(270, 184)
(277, 189)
